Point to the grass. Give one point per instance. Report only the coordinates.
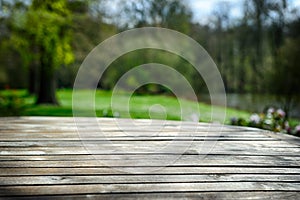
(98, 103)
(139, 106)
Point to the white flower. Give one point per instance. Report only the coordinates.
(271, 110)
(255, 118)
(286, 125)
(268, 122)
(281, 113)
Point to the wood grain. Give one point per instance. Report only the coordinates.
(46, 158)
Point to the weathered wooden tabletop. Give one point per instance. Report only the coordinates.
(44, 157)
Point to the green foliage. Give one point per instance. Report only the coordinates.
(284, 79)
(43, 29)
(173, 14)
(287, 72)
(48, 23)
(139, 57)
(11, 104)
(256, 53)
(60, 32)
(41, 34)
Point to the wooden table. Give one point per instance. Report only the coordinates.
(45, 157)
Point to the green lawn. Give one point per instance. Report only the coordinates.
(138, 106)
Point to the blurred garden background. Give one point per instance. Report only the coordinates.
(254, 43)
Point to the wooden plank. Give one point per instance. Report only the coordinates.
(137, 179)
(147, 188)
(156, 160)
(174, 195)
(109, 144)
(88, 156)
(150, 143)
(169, 170)
(158, 156)
(67, 122)
(121, 133)
(110, 124)
(4, 143)
(194, 149)
(45, 156)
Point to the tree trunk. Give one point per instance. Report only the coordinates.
(46, 92)
(33, 82)
(33, 73)
(241, 72)
(257, 41)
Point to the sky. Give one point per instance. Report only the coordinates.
(202, 9)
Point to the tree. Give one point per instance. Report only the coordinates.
(42, 35)
(12, 75)
(276, 30)
(285, 78)
(257, 12)
(22, 42)
(48, 27)
(171, 14)
(242, 40)
(223, 56)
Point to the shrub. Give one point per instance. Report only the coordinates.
(271, 119)
(11, 104)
